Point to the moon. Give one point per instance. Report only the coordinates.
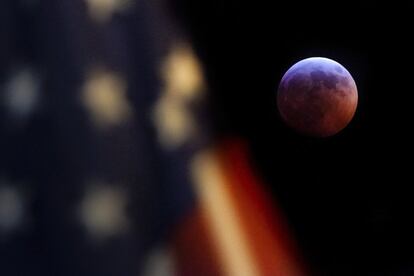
(317, 97)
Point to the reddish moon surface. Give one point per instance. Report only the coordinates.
(317, 97)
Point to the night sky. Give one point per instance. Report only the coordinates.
(86, 98)
(347, 197)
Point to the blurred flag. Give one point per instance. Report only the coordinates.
(107, 165)
(235, 229)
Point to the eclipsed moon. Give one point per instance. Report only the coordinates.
(317, 97)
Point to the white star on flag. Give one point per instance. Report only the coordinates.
(102, 211)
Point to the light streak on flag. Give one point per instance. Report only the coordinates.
(235, 225)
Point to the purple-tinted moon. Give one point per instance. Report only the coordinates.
(317, 97)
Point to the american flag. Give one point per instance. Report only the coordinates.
(107, 165)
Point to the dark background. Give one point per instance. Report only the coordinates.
(347, 197)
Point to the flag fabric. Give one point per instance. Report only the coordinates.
(239, 231)
(107, 166)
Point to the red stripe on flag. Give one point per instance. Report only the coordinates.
(269, 239)
(193, 249)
